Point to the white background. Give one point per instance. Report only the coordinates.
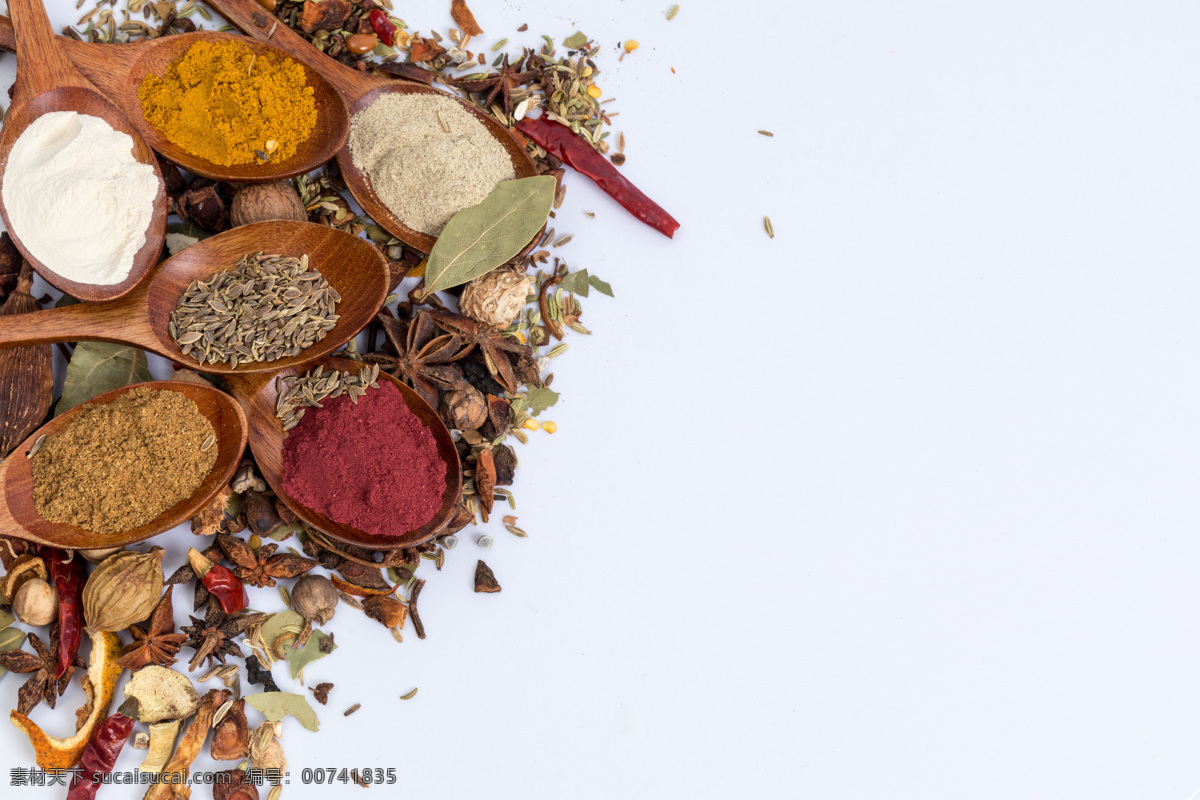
(898, 504)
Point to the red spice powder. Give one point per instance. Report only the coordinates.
(372, 464)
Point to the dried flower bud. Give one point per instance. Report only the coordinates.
(464, 407)
(315, 597)
(495, 298)
(124, 589)
(36, 603)
(259, 202)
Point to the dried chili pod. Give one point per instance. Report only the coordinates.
(26, 376)
(101, 752)
(384, 28)
(220, 581)
(67, 572)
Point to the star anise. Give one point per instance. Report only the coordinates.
(495, 345)
(215, 637)
(422, 357)
(261, 567)
(499, 83)
(157, 643)
(43, 664)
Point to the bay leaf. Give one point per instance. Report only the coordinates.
(600, 286)
(6, 619)
(575, 41)
(276, 625)
(483, 237)
(277, 705)
(299, 659)
(10, 639)
(576, 282)
(96, 367)
(540, 399)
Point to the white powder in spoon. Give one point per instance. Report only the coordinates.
(76, 197)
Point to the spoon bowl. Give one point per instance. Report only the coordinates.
(119, 69)
(257, 394)
(351, 265)
(19, 517)
(47, 82)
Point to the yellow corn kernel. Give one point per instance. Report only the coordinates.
(255, 542)
(530, 424)
(631, 45)
(593, 91)
(549, 427)
(587, 72)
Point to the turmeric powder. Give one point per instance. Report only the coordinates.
(224, 103)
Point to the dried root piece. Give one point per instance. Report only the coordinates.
(175, 772)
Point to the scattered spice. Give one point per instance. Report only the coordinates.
(321, 692)
(409, 696)
(66, 570)
(157, 643)
(352, 709)
(100, 755)
(485, 579)
(120, 464)
(222, 103)
(769, 228)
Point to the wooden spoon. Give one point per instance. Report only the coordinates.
(360, 91)
(119, 69)
(351, 265)
(257, 394)
(47, 82)
(18, 516)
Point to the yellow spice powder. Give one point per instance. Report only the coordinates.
(222, 103)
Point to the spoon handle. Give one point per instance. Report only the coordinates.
(115, 321)
(251, 19)
(40, 64)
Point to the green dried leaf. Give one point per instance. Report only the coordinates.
(575, 41)
(576, 282)
(276, 626)
(541, 399)
(603, 287)
(97, 367)
(299, 659)
(481, 238)
(6, 619)
(10, 639)
(277, 705)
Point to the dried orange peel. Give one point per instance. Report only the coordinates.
(99, 684)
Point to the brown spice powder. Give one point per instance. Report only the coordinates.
(120, 465)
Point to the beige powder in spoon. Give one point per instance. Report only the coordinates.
(426, 157)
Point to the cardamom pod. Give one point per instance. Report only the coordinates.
(124, 589)
(26, 379)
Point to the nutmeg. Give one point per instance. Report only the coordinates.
(36, 603)
(124, 589)
(495, 298)
(259, 202)
(464, 407)
(315, 597)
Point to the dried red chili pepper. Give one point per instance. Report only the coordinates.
(570, 148)
(66, 569)
(384, 29)
(101, 752)
(220, 582)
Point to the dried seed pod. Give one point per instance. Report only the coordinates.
(259, 202)
(231, 736)
(36, 603)
(464, 407)
(26, 379)
(495, 298)
(124, 589)
(387, 611)
(315, 597)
